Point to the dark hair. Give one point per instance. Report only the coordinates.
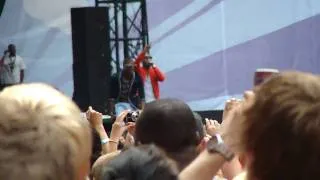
(168, 123)
(199, 123)
(141, 163)
(11, 46)
(127, 61)
(282, 128)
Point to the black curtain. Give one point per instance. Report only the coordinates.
(2, 2)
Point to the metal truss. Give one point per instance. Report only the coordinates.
(128, 28)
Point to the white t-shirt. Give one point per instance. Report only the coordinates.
(148, 91)
(10, 71)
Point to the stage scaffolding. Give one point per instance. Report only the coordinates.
(128, 28)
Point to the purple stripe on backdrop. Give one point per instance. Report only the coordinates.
(161, 10)
(196, 80)
(187, 21)
(294, 47)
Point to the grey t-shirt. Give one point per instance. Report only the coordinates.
(10, 70)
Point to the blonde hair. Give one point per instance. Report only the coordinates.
(42, 135)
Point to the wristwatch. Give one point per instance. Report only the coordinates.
(217, 145)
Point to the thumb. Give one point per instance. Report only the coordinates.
(90, 108)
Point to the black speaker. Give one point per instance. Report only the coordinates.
(91, 57)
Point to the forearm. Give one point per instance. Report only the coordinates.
(103, 136)
(159, 74)
(113, 144)
(116, 133)
(140, 58)
(204, 167)
(231, 169)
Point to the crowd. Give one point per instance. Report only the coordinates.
(272, 133)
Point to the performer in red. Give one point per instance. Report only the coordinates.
(150, 75)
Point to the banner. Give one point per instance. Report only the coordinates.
(208, 49)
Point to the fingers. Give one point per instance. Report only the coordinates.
(211, 126)
(123, 113)
(147, 47)
(210, 122)
(90, 111)
(122, 116)
(207, 121)
(216, 124)
(228, 105)
(248, 93)
(232, 103)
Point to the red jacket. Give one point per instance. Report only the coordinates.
(154, 73)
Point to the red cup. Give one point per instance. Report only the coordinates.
(261, 75)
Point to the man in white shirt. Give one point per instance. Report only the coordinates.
(11, 68)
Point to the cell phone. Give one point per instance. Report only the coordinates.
(132, 116)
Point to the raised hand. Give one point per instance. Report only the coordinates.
(212, 127)
(233, 121)
(94, 117)
(230, 105)
(147, 48)
(119, 127)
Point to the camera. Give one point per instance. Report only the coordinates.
(132, 116)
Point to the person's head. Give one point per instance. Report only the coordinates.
(170, 124)
(42, 135)
(199, 124)
(101, 162)
(147, 62)
(128, 65)
(282, 128)
(200, 131)
(145, 162)
(12, 49)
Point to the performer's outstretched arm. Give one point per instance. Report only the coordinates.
(141, 56)
(160, 75)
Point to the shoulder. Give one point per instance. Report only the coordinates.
(19, 58)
